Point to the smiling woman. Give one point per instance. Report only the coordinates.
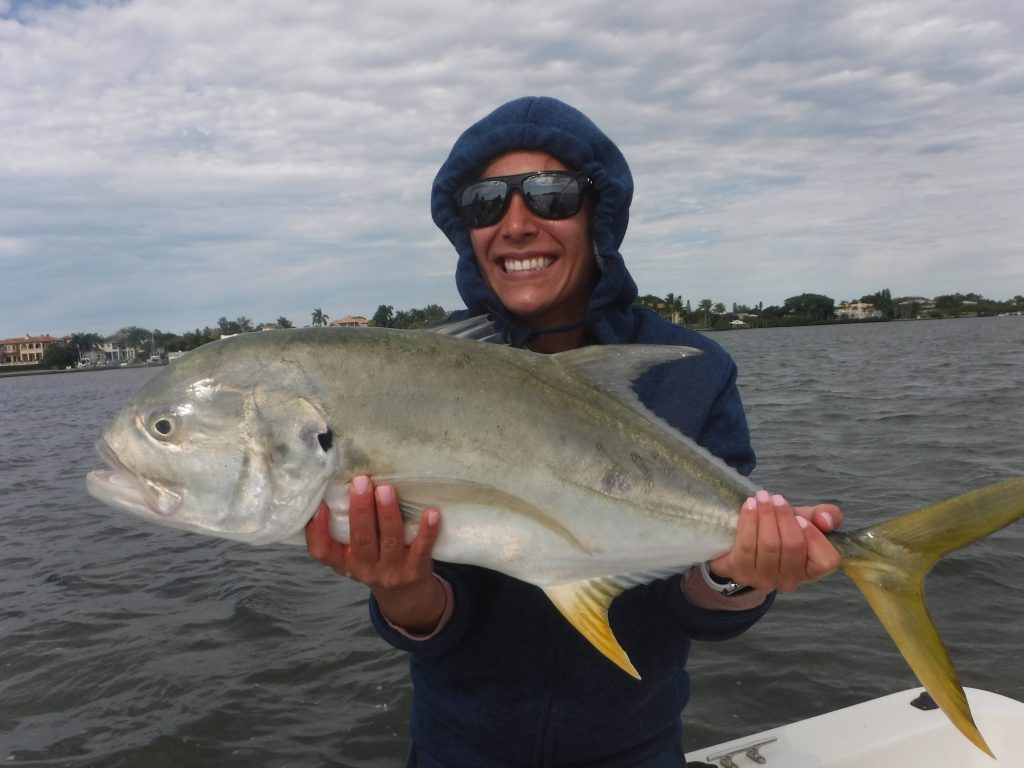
(541, 267)
(535, 198)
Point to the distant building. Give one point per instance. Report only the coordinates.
(350, 321)
(916, 306)
(857, 310)
(115, 354)
(27, 349)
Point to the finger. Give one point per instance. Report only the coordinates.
(317, 534)
(827, 517)
(769, 542)
(822, 557)
(738, 563)
(362, 519)
(390, 527)
(319, 543)
(421, 551)
(793, 552)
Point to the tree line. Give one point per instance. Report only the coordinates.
(814, 308)
(805, 309)
(84, 346)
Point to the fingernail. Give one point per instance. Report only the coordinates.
(385, 494)
(762, 495)
(750, 503)
(828, 519)
(361, 484)
(801, 521)
(432, 517)
(778, 501)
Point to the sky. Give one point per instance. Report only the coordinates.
(165, 164)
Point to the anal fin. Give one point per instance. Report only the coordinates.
(585, 605)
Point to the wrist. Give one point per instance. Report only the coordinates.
(723, 585)
(697, 593)
(415, 609)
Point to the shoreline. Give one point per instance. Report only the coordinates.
(45, 371)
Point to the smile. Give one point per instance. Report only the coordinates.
(522, 265)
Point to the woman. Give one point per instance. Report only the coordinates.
(535, 199)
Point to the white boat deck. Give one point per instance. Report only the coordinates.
(887, 731)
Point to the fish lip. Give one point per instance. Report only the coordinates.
(130, 492)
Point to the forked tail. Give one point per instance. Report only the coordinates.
(889, 561)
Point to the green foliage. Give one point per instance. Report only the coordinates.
(58, 357)
(670, 308)
(883, 302)
(85, 342)
(240, 324)
(418, 318)
(284, 322)
(319, 318)
(383, 317)
(812, 306)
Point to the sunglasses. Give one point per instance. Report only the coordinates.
(549, 194)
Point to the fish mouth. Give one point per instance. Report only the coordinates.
(119, 487)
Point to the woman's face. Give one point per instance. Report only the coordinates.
(542, 270)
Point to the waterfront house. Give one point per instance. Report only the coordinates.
(27, 350)
(350, 321)
(857, 310)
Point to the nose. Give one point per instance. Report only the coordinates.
(519, 220)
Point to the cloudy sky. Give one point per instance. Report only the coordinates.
(164, 163)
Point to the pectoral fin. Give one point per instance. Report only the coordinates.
(417, 494)
(585, 604)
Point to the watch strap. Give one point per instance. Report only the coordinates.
(722, 584)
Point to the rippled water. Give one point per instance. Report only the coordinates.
(125, 644)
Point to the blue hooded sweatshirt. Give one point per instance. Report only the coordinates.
(507, 681)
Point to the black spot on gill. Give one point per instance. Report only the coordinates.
(326, 439)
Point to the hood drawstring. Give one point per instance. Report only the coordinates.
(519, 337)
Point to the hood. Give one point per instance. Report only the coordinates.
(565, 133)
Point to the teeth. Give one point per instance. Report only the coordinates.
(521, 265)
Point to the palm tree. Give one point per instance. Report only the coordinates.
(674, 307)
(319, 318)
(705, 307)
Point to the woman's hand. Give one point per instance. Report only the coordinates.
(779, 546)
(400, 576)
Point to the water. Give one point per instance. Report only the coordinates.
(125, 644)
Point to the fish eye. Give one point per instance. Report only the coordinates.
(162, 426)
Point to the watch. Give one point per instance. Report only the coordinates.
(721, 584)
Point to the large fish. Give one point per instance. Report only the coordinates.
(546, 467)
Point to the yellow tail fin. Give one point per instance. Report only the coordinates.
(888, 563)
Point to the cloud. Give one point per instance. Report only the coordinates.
(167, 164)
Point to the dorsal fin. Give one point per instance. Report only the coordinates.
(614, 367)
(477, 328)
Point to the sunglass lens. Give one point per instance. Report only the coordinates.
(552, 195)
(483, 203)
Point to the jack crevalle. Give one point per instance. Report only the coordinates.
(545, 467)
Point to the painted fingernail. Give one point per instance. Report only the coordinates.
(801, 521)
(432, 517)
(750, 503)
(763, 495)
(361, 484)
(827, 516)
(385, 494)
(778, 501)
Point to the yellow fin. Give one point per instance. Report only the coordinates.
(888, 563)
(585, 604)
